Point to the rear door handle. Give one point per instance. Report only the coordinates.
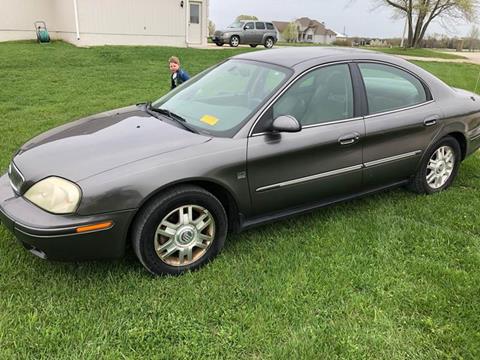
(430, 121)
(349, 139)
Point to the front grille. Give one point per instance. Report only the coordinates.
(16, 177)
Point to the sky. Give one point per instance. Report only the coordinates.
(357, 17)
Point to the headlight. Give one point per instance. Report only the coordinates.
(56, 195)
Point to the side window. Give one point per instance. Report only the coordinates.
(389, 88)
(270, 26)
(323, 95)
(260, 26)
(249, 26)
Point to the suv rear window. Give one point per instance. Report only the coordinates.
(260, 25)
(270, 26)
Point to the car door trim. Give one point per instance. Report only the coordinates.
(310, 178)
(316, 125)
(400, 109)
(339, 171)
(392, 158)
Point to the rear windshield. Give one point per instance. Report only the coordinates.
(270, 26)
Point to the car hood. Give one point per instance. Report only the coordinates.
(220, 32)
(101, 142)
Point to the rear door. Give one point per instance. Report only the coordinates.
(323, 160)
(402, 121)
(259, 31)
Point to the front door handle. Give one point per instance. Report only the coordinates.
(349, 139)
(430, 121)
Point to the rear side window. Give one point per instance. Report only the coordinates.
(389, 88)
(249, 25)
(270, 26)
(260, 25)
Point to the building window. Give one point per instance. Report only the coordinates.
(310, 37)
(194, 13)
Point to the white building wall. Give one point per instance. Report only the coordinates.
(324, 39)
(17, 18)
(103, 22)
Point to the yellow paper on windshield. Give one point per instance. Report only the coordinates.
(209, 119)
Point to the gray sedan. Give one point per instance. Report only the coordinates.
(257, 138)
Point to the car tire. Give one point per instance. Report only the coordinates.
(439, 167)
(253, 45)
(234, 41)
(180, 230)
(268, 43)
(219, 44)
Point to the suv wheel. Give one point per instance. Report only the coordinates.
(219, 44)
(253, 45)
(180, 230)
(268, 43)
(234, 41)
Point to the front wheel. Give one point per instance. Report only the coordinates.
(439, 167)
(181, 230)
(234, 41)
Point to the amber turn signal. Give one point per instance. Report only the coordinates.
(100, 226)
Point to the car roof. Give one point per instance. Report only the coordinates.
(292, 56)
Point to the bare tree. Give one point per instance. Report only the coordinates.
(420, 13)
(473, 38)
(290, 34)
(211, 27)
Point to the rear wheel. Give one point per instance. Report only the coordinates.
(439, 167)
(234, 41)
(268, 43)
(181, 230)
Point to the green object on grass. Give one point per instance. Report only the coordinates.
(43, 36)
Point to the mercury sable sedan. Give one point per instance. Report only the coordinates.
(259, 137)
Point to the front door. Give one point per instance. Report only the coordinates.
(195, 23)
(323, 160)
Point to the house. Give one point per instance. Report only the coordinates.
(280, 26)
(109, 22)
(309, 30)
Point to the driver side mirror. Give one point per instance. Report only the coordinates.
(286, 123)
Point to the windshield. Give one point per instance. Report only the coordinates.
(235, 25)
(219, 101)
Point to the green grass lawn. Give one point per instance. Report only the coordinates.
(392, 276)
(426, 53)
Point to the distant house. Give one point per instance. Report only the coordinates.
(280, 26)
(309, 30)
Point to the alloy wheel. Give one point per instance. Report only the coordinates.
(440, 167)
(184, 235)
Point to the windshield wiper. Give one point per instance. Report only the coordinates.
(177, 118)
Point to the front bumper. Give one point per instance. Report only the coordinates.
(54, 236)
(219, 38)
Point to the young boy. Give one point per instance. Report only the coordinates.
(179, 75)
